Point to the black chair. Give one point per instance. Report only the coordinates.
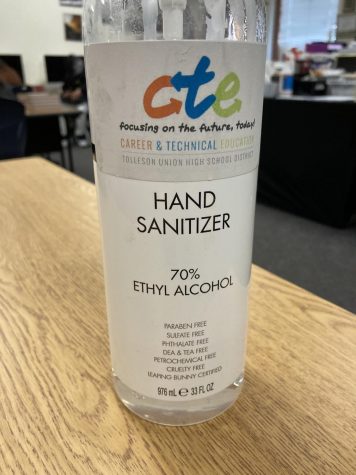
(44, 136)
(12, 129)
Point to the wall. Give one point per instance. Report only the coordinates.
(34, 28)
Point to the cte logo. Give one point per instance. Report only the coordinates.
(227, 90)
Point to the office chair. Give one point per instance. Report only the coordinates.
(12, 129)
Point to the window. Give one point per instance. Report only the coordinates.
(304, 21)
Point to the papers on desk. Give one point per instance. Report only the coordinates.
(43, 103)
(44, 99)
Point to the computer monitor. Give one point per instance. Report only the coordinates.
(57, 67)
(15, 62)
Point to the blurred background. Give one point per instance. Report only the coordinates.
(306, 208)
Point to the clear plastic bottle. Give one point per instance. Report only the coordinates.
(172, 265)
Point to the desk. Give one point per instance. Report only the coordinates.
(45, 104)
(59, 413)
(308, 158)
(330, 99)
(39, 109)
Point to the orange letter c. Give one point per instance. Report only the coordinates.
(173, 107)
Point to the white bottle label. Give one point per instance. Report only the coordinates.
(176, 128)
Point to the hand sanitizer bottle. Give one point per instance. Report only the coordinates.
(175, 93)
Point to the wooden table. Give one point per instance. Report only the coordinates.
(59, 413)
